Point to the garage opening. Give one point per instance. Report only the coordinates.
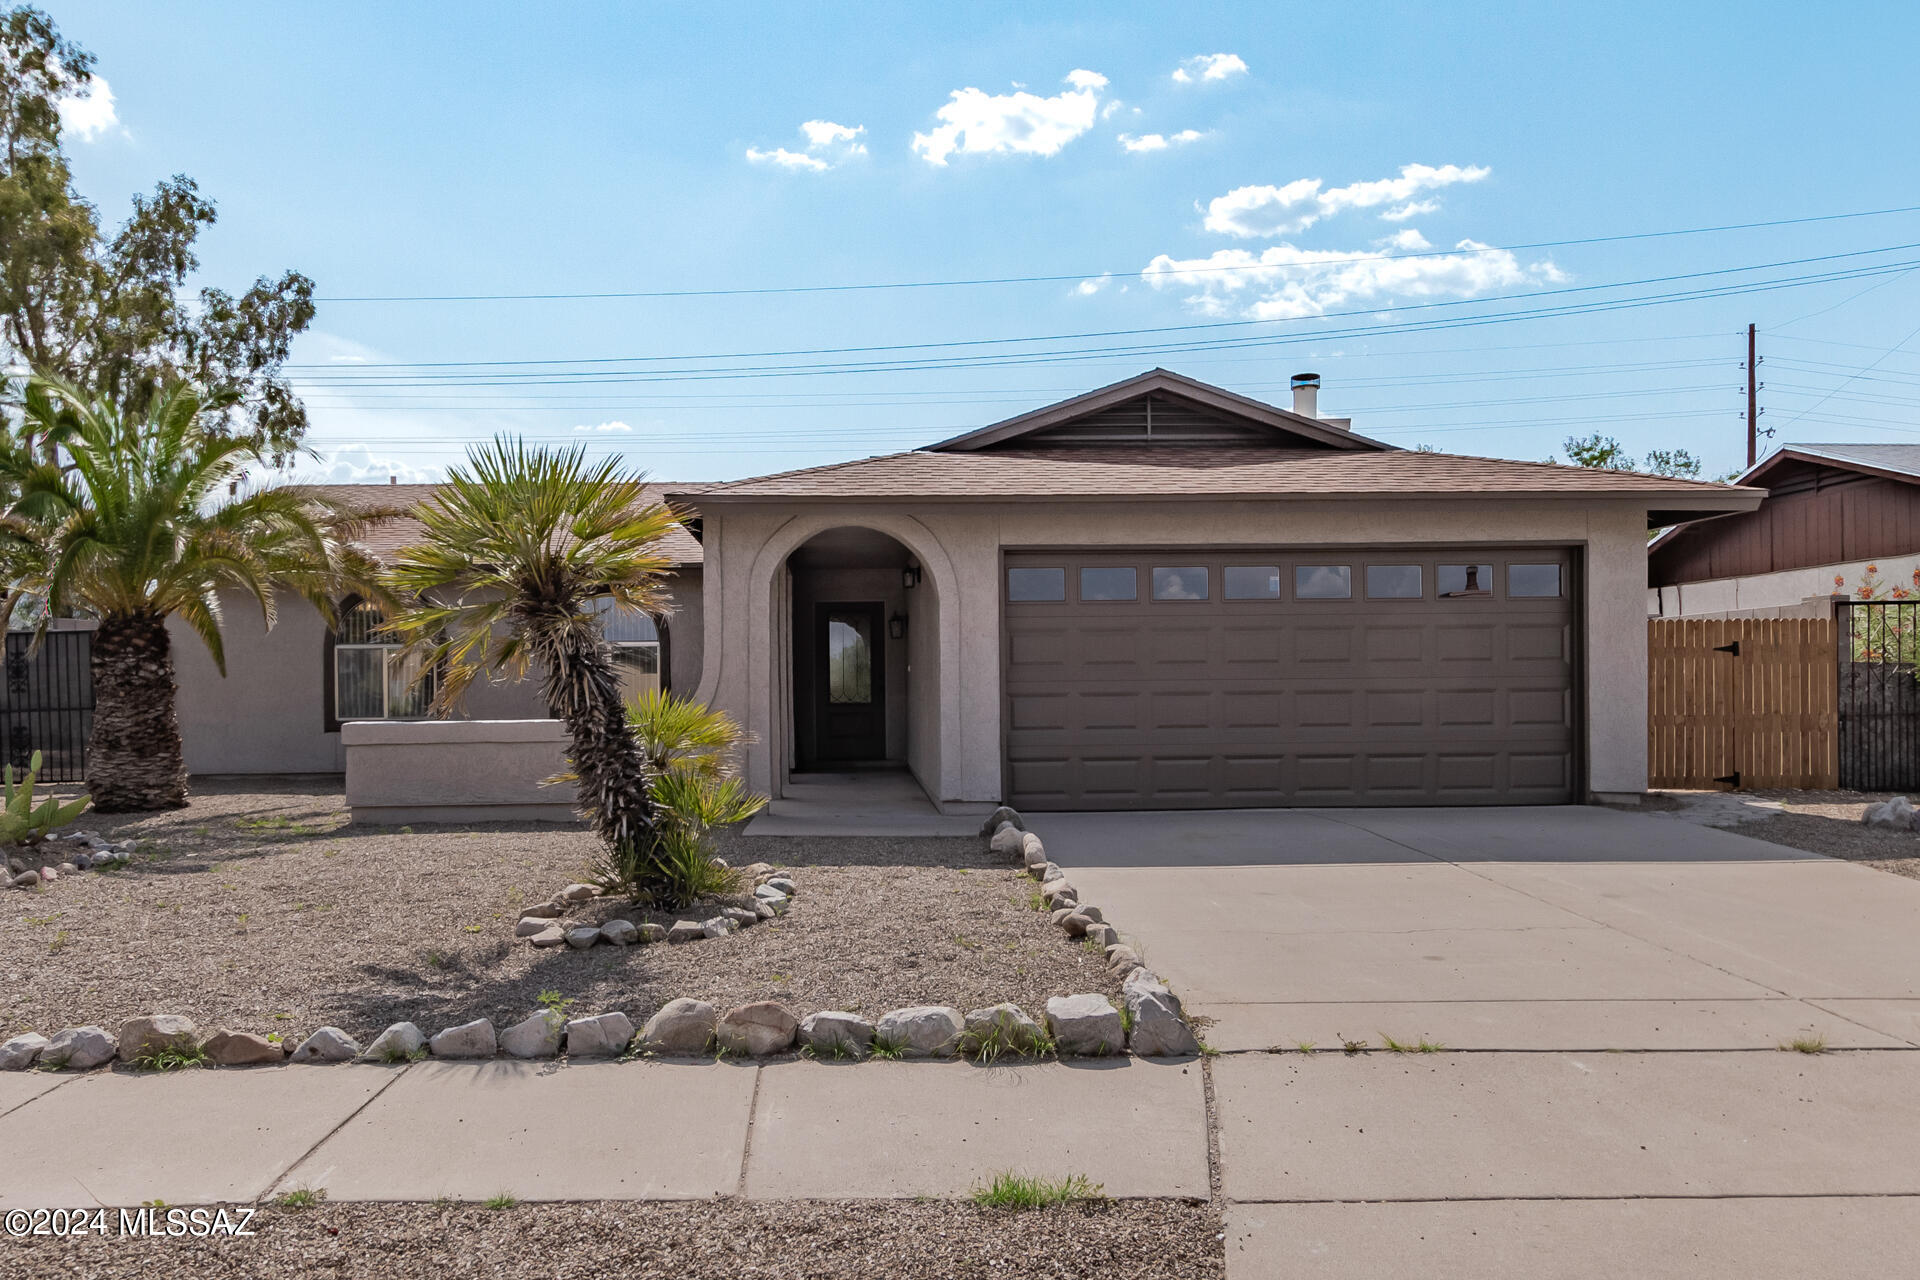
(1144, 679)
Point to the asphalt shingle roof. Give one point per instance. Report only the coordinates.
(384, 537)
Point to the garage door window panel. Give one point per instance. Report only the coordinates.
(1464, 581)
(1533, 581)
(1250, 581)
(1037, 586)
(1393, 582)
(1187, 582)
(1322, 582)
(1109, 583)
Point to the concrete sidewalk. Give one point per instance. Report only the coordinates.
(592, 1131)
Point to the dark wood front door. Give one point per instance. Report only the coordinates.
(850, 704)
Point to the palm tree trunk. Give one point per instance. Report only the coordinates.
(582, 688)
(134, 758)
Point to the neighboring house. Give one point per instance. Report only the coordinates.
(1156, 595)
(1165, 595)
(287, 690)
(1831, 513)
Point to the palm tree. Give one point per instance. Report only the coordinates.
(140, 521)
(516, 547)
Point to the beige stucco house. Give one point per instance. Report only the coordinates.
(1156, 595)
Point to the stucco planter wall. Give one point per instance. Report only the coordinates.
(456, 771)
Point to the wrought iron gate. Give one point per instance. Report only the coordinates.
(1879, 675)
(46, 703)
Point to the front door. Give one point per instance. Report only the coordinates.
(850, 710)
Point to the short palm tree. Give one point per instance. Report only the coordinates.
(139, 520)
(516, 547)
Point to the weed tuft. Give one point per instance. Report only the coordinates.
(1351, 1047)
(301, 1198)
(1810, 1042)
(170, 1058)
(504, 1200)
(1012, 1190)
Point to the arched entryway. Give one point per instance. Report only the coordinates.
(861, 627)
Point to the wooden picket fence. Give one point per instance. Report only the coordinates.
(1742, 702)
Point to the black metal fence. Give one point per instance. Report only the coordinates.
(46, 703)
(1879, 675)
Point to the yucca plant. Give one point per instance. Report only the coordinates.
(515, 549)
(21, 822)
(143, 518)
(690, 750)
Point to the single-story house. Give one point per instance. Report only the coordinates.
(1830, 513)
(1160, 594)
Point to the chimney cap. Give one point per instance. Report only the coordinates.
(1306, 379)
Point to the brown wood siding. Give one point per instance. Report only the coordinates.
(1813, 516)
(1767, 714)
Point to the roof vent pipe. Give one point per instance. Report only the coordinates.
(1306, 394)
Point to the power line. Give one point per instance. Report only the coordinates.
(1091, 275)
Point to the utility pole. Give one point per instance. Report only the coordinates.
(1753, 400)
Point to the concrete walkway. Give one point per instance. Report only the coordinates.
(607, 1130)
(872, 802)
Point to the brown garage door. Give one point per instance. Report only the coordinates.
(1165, 680)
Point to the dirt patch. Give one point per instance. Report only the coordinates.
(259, 908)
(737, 1239)
(1823, 822)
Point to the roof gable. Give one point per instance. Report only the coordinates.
(1160, 409)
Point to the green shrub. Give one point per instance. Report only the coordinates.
(21, 822)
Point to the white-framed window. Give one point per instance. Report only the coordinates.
(374, 677)
(635, 637)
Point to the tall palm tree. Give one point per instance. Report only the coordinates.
(140, 521)
(516, 547)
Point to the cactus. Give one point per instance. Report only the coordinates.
(21, 822)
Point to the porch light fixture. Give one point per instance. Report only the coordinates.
(909, 578)
(897, 625)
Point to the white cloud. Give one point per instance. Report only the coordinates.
(973, 122)
(828, 146)
(1159, 141)
(1276, 211)
(89, 114)
(1087, 288)
(605, 427)
(1210, 67)
(1285, 282)
(1407, 239)
(1411, 209)
(355, 464)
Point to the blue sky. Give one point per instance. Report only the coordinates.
(402, 150)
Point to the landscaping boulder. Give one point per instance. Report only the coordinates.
(923, 1031)
(544, 911)
(400, 1042)
(1122, 959)
(554, 935)
(1086, 1026)
(143, 1037)
(81, 862)
(576, 893)
(719, 927)
(1894, 815)
(1058, 915)
(836, 1035)
(1159, 1024)
(79, 1048)
(1093, 914)
(764, 909)
(774, 899)
(621, 933)
(1104, 934)
(783, 884)
(536, 1037)
(756, 1029)
(741, 916)
(1004, 813)
(242, 1049)
(582, 936)
(1077, 923)
(48, 875)
(682, 1026)
(26, 880)
(468, 1040)
(1032, 852)
(533, 926)
(758, 871)
(1001, 1028)
(651, 932)
(1059, 893)
(1051, 871)
(1006, 841)
(328, 1044)
(604, 1036)
(686, 931)
(22, 1052)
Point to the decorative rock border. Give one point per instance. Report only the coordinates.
(73, 853)
(1150, 1021)
(1155, 1023)
(546, 925)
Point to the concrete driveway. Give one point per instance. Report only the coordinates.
(1547, 940)
(1525, 929)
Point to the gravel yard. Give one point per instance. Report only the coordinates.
(259, 908)
(1824, 822)
(736, 1239)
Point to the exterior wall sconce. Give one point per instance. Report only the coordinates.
(910, 578)
(897, 626)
